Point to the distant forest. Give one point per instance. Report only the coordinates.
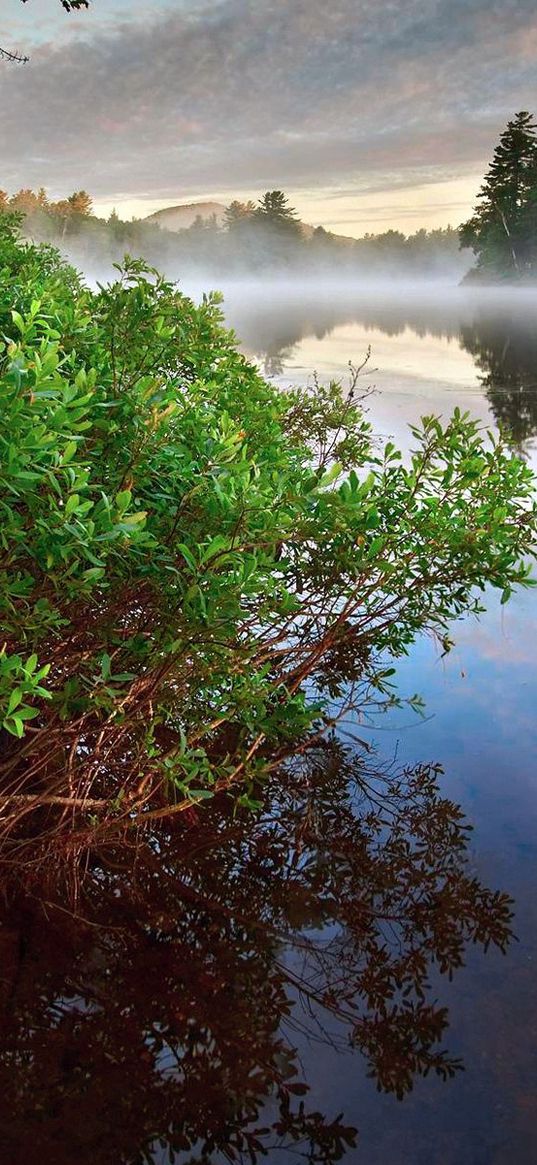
(263, 238)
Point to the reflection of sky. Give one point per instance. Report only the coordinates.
(434, 361)
(480, 724)
(481, 697)
(418, 363)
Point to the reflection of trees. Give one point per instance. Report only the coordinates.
(502, 338)
(276, 358)
(504, 347)
(166, 1018)
(272, 319)
(271, 328)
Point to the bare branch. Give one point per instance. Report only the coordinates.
(17, 57)
(67, 5)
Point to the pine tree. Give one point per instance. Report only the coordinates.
(274, 210)
(237, 214)
(502, 230)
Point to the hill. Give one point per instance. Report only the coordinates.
(179, 218)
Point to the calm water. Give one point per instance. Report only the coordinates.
(430, 352)
(212, 1000)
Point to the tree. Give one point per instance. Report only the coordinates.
(71, 5)
(238, 213)
(24, 201)
(503, 229)
(505, 351)
(279, 234)
(68, 5)
(274, 208)
(80, 202)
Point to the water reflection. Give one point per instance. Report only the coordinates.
(164, 1026)
(504, 348)
(499, 333)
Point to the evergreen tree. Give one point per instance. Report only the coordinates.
(503, 229)
(274, 209)
(237, 214)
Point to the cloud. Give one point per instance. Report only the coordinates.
(258, 93)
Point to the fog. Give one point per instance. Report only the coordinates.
(300, 311)
(261, 310)
(272, 306)
(210, 253)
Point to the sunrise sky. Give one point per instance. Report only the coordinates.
(370, 114)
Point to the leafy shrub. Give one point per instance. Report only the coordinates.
(196, 568)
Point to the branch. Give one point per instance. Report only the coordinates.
(68, 5)
(71, 5)
(7, 56)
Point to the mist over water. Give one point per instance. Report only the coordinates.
(258, 249)
(432, 345)
(276, 315)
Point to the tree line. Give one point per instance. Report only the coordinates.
(268, 235)
(263, 237)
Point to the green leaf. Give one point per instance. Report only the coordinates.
(331, 475)
(134, 519)
(14, 700)
(30, 665)
(188, 556)
(15, 726)
(219, 543)
(71, 505)
(123, 500)
(18, 321)
(69, 452)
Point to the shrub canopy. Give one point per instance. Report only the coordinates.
(199, 571)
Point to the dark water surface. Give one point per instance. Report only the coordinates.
(246, 986)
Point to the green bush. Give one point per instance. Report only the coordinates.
(198, 571)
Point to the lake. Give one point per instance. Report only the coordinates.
(433, 349)
(257, 954)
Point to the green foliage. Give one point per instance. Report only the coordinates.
(194, 564)
(503, 229)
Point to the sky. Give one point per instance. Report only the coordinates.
(370, 114)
